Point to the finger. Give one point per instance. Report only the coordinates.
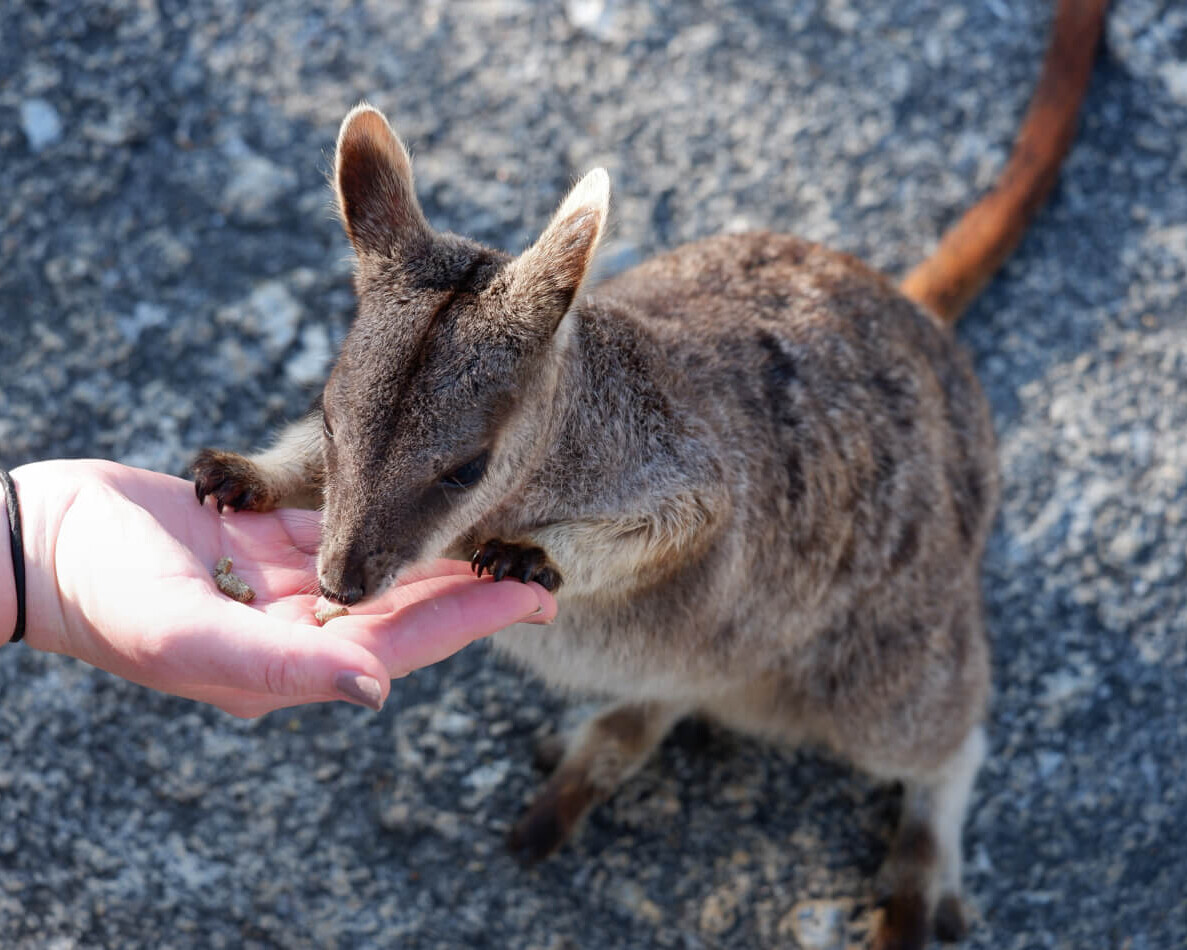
(548, 607)
(245, 705)
(430, 630)
(238, 647)
(440, 567)
(397, 599)
(445, 575)
(302, 606)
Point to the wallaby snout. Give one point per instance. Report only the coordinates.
(341, 573)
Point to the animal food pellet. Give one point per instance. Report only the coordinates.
(230, 584)
(329, 612)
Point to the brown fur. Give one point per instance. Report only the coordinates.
(613, 746)
(764, 475)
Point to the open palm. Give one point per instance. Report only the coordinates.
(127, 586)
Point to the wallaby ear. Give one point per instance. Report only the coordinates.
(548, 274)
(373, 184)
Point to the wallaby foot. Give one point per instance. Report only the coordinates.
(500, 559)
(949, 922)
(904, 924)
(548, 752)
(606, 751)
(232, 480)
(921, 876)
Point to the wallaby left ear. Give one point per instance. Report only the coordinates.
(373, 185)
(547, 276)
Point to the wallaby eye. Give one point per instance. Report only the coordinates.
(325, 426)
(467, 475)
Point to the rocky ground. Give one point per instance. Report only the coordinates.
(171, 277)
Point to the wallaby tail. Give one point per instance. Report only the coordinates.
(979, 243)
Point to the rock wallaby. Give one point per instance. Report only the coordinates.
(758, 474)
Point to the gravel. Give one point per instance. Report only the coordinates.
(172, 277)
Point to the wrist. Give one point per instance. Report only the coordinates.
(38, 486)
(8, 592)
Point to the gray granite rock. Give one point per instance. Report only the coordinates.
(172, 277)
(40, 123)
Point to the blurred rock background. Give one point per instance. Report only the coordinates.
(171, 276)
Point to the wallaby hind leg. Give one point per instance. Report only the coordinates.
(608, 749)
(287, 475)
(921, 876)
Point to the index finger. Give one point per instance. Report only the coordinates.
(429, 630)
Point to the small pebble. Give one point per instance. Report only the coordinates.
(41, 124)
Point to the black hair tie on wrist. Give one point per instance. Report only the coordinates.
(18, 553)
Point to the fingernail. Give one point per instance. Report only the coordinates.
(535, 616)
(360, 688)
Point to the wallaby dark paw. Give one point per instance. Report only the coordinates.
(904, 924)
(548, 752)
(500, 559)
(551, 819)
(534, 837)
(693, 734)
(949, 922)
(232, 480)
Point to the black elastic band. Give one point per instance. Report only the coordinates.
(18, 553)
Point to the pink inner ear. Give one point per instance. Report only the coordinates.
(371, 127)
(374, 184)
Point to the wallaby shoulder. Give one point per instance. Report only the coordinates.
(805, 377)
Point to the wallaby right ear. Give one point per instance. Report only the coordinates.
(373, 184)
(547, 276)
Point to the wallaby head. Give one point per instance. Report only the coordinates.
(443, 384)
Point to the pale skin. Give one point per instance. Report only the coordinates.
(118, 567)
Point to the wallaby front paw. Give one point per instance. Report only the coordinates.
(232, 480)
(500, 559)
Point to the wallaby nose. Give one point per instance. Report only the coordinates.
(341, 579)
(347, 596)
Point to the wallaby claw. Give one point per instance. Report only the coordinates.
(228, 478)
(501, 560)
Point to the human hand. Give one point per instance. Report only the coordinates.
(119, 563)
